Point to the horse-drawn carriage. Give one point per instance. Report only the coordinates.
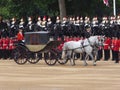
(37, 46)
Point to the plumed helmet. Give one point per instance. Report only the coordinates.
(29, 18)
(39, 18)
(88, 26)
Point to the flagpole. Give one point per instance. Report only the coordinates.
(114, 8)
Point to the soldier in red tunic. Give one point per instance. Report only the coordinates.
(116, 48)
(107, 44)
(5, 48)
(112, 41)
(66, 38)
(11, 47)
(1, 48)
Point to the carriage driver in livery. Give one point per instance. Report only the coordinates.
(87, 32)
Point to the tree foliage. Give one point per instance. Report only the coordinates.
(20, 8)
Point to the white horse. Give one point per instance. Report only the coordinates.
(88, 46)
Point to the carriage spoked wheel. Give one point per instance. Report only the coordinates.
(50, 58)
(34, 58)
(19, 55)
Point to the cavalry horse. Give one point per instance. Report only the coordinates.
(88, 46)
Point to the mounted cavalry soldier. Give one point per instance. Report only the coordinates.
(38, 26)
(44, 24)
(57, 28)
(71, 26)
(22, 24)
(64, 25)
(81, 25)
(3, 28)
(113, 26)
(49, 26)
(13, 27)
(94, 25)
(87, 21)
(104, 26)
(118, 20)
(30, 25)
(118, 27)
(77, 26)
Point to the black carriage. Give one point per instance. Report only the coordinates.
(37, 46)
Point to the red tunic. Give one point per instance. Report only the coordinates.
(107, 43)
(77, 39)
(5, 43)
(60, 47)
(70, 39)
(116, 45)
(11, 44)
(20, 36)
(66, 39)
(59, 39)
(1, 44)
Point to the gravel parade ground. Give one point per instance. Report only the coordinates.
(40, 76)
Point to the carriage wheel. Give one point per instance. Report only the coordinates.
(19, 56)
(34, 57)
(50, 58)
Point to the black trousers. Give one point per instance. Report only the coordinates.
(116, 56)
(1, 53)
(10, 54)
(5, 54)
(106, 54)
(99, 54)
(113, 58)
